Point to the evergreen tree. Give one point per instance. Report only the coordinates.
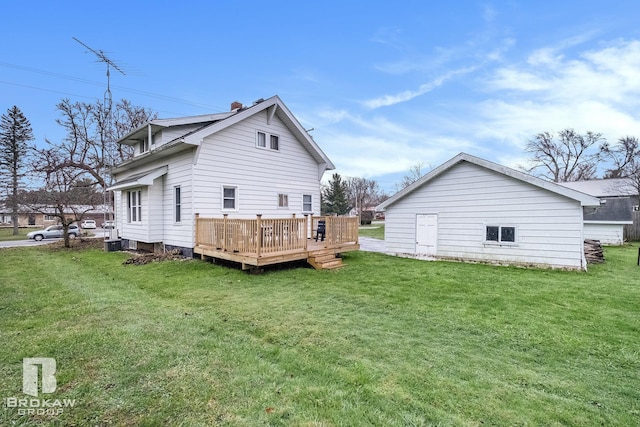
(15, 132)
(334, 197)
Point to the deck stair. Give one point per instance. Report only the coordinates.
(324, 259)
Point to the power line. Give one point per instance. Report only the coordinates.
(205, 107)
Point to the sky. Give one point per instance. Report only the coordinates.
(385, 86)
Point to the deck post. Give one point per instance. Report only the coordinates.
(306, 231)
(197, 232)
(260, 236)
(224, 232)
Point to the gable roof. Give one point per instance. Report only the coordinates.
(137, 135)
(215, 123)
(613, 187)
(584, 199)
(612, 210)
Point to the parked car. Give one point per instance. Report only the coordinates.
(366, 217)
(88, 223)
(108, 225)
(53, 232)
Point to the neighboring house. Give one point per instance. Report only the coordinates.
(248, 161)
(475, 210)
(606, 223)
(44, 217)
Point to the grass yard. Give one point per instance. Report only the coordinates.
(383, 341)
(376, 230)
(6, 233)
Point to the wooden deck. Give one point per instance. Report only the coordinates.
(259, 242)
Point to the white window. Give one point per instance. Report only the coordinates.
(500, 234)
(307, 206)
(229, 197)
(177, 203)
(262, 138)
(274, 142)
(134, 206)
(283, 200)
(144, 146)
(50, 217)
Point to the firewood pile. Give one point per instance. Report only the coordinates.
(593, 251)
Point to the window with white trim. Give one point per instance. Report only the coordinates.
(50, 217)
(177, 203)
(283, 200)
(500, 234)
(134, 206)
(144, 146)
(307, 205)
(263, 137)
(262, 140)
(274, 142)
(229, 197)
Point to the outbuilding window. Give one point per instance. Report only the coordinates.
(500, 234)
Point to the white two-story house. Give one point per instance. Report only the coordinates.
(245, 162)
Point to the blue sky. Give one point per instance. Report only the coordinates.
(384, 85)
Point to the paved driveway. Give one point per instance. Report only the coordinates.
(369, 244)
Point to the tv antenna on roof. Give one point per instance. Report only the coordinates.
(103, 58)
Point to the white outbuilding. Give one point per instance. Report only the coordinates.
(472, 209)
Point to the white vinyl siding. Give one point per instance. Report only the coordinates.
(607, 234)
(467, 198)
(227, 158)
(257, 174)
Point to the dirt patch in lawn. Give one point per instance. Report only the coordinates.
(142, 258)
(77, 244)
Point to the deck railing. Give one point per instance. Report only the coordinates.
(263, 236)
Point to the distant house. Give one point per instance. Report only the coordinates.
(46, 216)
(606, 223)
(248, 162)
(474, 210)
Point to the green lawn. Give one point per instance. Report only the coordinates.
(6, 233)
(375, 230)
(383, 341)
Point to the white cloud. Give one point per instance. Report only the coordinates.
(598, 90)
(407, 95)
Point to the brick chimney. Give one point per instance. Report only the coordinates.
(235, 105)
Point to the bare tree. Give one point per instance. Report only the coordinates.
(569, 157)
(85, 156)
(362, 192)
(623, 156)
(15, 132)
(68, 191)
(625, 159)
(91, 132)
(415, 172)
